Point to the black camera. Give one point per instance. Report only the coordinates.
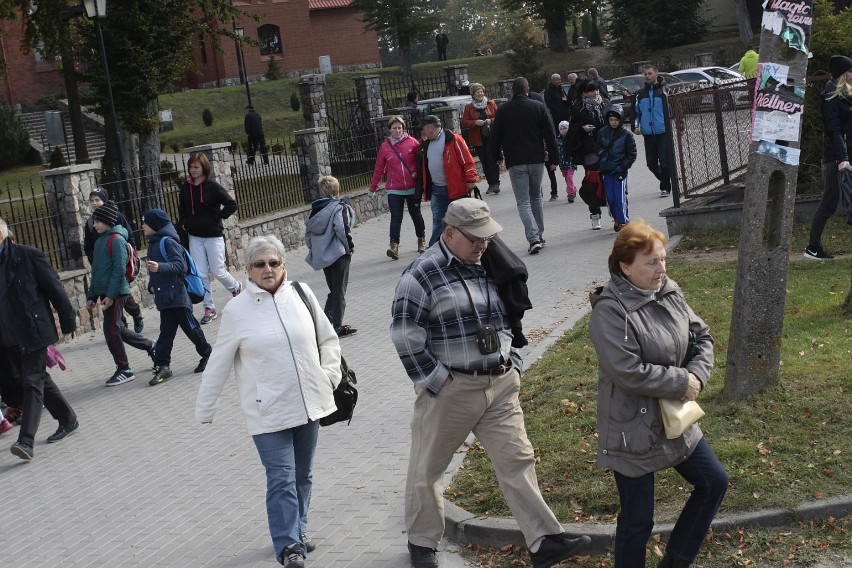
(487, 339)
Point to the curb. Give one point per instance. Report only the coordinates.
(463, 527)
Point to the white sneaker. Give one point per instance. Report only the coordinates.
(596, 221)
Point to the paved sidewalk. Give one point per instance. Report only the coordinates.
(142, 484)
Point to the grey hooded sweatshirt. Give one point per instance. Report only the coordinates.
(327, 231)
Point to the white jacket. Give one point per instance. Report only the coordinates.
(271, 343)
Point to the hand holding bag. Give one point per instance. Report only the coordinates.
(678, 415)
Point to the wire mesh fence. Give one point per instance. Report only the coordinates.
(32, 214)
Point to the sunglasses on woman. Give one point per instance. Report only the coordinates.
(261, 264)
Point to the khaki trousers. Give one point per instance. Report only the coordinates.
(489, 407)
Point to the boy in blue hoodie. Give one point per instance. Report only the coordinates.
(166, 283)
(328, 234)
(110, 289)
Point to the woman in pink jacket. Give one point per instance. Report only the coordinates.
(397, 161)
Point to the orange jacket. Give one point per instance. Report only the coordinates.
(469, 118)
(459, 167)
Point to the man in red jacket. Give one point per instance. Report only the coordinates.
(448, 170)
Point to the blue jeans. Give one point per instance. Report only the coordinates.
(440, 201)
(636, 518)
(288, 456)
(396, 204)
(526, 183)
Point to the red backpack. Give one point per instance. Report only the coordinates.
(134, 265)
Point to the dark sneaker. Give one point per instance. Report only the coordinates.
(422, 557)
(570, 199)
(120, 377)
(202, 364)
(557, 547)
(292, 557)
(138, 324)
(553, 197)
(346, 331)
(209, 315)
(665, 193)
(310, 545)
(535, 248)
(162, 375)
(493, 190)
(63, 432)
(817, 253)
(23, 451)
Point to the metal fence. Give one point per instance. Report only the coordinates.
(395, 88)
(711, 136)
(32, 215)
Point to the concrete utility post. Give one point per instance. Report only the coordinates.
(754, 348)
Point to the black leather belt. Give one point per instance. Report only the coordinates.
(501, 370)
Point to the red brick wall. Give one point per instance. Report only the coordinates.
(26, 78)
(340, 35)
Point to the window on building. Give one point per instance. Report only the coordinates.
(270, 39)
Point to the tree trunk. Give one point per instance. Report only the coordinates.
(404, 55)
(150, 182)
(557, 35)
(744, 22)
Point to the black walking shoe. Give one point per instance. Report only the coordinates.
(422, 557)
(310, 545)
(63, 432)
(23, 451)
(817, 253)
(120, 377)
(202, 363)
(162, 375)
(557, 547)
(292, 557)
(138, 324)
(346, 331)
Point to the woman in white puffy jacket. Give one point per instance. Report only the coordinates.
(286, 365)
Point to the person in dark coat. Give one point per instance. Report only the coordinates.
(837, 121)
(166, 282)
(98, 197)
(29, 286)
(253, 124)
(441, 42)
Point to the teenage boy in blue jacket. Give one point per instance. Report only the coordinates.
(166, 283)
(617, 154)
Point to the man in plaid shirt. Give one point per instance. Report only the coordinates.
(453, 338)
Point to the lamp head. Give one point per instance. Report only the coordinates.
(95, 8)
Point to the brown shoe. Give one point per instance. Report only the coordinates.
(421, 244)
(393, 250)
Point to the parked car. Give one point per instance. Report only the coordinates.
(709, 77)
(619, 94)
(634, 83)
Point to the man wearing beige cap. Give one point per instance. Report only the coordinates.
(452, 335)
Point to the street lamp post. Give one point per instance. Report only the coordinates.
(97, 10)
(241, 62)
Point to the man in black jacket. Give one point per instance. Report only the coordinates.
(28, 288)
(253, 125)
(522, 129)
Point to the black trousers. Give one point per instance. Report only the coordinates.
(170, 320)
(30, 370)
(337, 278)
(827, 206)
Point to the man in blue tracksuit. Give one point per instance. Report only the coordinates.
(651, 124)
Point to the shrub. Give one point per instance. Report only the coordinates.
(207, 117)
(277, 148)
(295, 102)
(14, 138)
(175, 147)
(273, 70)
(57, 158)
(189, 144)
(524, 61)
(166, 166)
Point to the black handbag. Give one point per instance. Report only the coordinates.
(346, 394)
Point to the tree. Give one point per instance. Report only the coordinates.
(656, 24)
(149, 45)
(403, 20)
(554, 13)
(14, 138)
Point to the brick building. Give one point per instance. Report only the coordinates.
(295, 32)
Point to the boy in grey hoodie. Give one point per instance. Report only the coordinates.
(328, 234)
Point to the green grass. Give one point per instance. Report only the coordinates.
(23, 176)
(781, 448)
